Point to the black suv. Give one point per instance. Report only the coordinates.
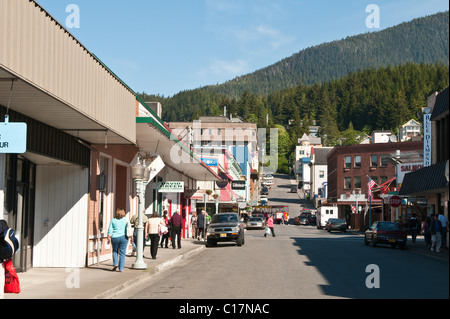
(225, 227)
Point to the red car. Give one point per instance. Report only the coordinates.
(388, 233)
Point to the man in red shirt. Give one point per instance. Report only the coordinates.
(176, 223)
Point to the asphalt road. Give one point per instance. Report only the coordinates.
(301, 262)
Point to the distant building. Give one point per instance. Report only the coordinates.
(380, 136)
(410, 129)
(349, 169)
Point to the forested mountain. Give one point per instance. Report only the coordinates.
(422, 40)
(372, 81)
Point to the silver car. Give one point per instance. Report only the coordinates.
(255, 223)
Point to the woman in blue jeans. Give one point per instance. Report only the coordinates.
(117, 236)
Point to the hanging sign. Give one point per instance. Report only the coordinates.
(13, 137)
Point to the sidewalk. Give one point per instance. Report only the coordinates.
(98, 282)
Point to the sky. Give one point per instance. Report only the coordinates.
(164, 47)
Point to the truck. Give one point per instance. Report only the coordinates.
(324, 213)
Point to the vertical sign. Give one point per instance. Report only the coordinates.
(427, 140)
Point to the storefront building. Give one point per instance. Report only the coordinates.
(431, 181)
(69, 101)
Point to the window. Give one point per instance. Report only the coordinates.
(348, 162)
(347, 182)
(302, 152)
(384, 159)
(357, 181)
(321, 174)
(383, 179)
(357, 160)
(374, 160)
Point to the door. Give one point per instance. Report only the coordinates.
(19, 202)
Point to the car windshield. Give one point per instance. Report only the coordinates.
(388, 226)
(224, 218)
(337, 221)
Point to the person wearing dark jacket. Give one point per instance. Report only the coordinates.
(436, 237)
(176, 223)
(201, 222)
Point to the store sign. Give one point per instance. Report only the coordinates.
(170, 187)
(403, 169)
(13, 137)
(238, 185)
(209, 161)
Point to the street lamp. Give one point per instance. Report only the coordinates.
(138, 173)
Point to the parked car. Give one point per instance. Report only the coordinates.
(255, 223)
(336, 224)
(225, 227)
(264, 190)
(305, 219)
(388, 233)
(293, 189)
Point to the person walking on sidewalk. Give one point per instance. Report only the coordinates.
(270, 226)
(436, 237)
(176, 223)
(426, 231)
(194, 225)
(134, 221)
(414, 227)
(165, 237)
(117, 231)
(152, 230)
(444, 223)
(201, 222)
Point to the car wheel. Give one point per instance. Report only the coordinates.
(211, 243)
(374, 243)
(403, 245)
(366, 242)
(240, 241)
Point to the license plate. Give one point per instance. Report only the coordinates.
(223, 235)
(254, 224)
(392, 240)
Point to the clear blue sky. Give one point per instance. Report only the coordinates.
(166, 46)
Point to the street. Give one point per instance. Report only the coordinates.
(301, 262)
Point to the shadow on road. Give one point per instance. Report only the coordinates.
(342, 259)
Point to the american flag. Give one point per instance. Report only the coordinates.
(370, 185)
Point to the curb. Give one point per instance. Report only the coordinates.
(147, 274)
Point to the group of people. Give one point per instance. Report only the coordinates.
(433, 228)
(157, 229)
(199, 223)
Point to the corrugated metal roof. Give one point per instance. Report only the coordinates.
(441, 106)
(427, 180)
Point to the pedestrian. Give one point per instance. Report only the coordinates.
(201, 221)
(444, 221)
(152, 231)
(194, 225)
(7, 250)
(436, 236)
(176, 223)
(117, 231)
(208, 219)
(134, 221)
(270, 226)
(426, 231)
(414, 227)
(286, 218)
(165, 237)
